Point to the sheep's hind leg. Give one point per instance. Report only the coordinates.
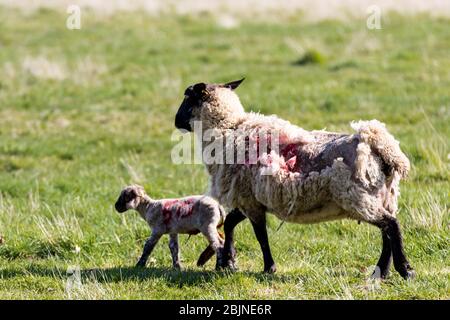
(261, 234)
(174, 251)
(391, 226)
(148, 248)
(384, 262)
(229, 252)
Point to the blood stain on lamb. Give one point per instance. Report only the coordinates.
(180, 208)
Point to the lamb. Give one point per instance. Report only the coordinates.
(314, 176)
(189, 215)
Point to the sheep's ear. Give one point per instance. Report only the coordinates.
(199, 88)
(233, 84)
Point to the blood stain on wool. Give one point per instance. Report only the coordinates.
(289, 153)
(181, 208)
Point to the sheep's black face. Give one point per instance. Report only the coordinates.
(194, 96)
(125, 199)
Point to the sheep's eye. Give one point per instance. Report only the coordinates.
(129, 197)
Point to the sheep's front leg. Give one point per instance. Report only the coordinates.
(229, 252)
(148, 248)
(173, 245)
(259, 226)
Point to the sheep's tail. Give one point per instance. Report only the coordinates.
(374, 134)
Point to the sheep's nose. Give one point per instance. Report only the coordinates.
(183, 117)
(181, 123)
(118, 207)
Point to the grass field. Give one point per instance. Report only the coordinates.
(85, 112)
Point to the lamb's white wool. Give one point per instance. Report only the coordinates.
(189, 215)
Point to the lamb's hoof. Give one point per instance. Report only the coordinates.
(271, 269)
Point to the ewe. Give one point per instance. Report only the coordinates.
(314, 175)
(190, 215)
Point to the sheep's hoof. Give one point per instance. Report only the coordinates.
(140, 264)
(227, 268)
(376, 276)
(226, 261)
(226, 265)
(406, 271)
(177, 266)
(271, 269)
(232, 266)
(409, 275)
(380, 274)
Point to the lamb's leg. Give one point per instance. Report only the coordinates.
(148, 248)
(391, 226)
(261, 234)
(213, 238)
(205, 256)
(174, 251)
(384, 262)
(229, 251)
(208, 252)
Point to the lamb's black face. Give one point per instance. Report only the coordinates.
(126, 196)
(194, 96)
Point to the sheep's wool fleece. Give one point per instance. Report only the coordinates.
(315, 176)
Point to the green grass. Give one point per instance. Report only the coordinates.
(68, 145)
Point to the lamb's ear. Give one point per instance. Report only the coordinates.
(233, 84)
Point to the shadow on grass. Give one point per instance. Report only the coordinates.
(178, 277)
(189, 277)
